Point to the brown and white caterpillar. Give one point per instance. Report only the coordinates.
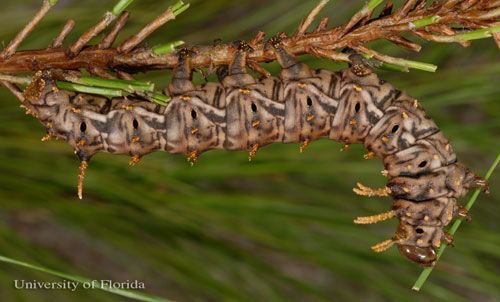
(301, 105)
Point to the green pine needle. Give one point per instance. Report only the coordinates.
(477, 34)
(126, 85)
(121, 6)
(125, 293)
(426, 21)
(107, 92)
(177, 5)
(402, 65)
(418, 65)
(167, 47)
(393, 67)
(373, 4)
(160, 99)
(179, 8)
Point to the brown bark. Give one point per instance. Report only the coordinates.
(358, 31)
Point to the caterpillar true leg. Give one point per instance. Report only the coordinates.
(448, 239)
(464, 214)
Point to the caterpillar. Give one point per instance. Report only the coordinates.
(352, 106)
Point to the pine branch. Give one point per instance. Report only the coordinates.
(436, 22)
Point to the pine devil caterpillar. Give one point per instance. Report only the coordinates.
(301, 105)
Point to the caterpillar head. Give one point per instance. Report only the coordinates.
(420, 229)
(418, 243)
(424, 256)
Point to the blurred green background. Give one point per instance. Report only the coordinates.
(276, 229)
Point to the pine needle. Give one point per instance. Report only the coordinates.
(97, 285)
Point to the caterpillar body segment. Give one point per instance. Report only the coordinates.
(308, 111)
(434, 212)
(195, 124)
(398, 130)
(242, 113)
(309, 98)
(255, 110)
(424, 156)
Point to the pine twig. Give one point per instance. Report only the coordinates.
(406, 8)
(323, 24)
(59, 39)
(95, 30)
(14, 44)
(76, 47)
(402, 41)
(166, 16)
(365, 12)
(310, 18)
(110, 38)
(15, 79)
(13, 89)
(124, 75)
(102, 73)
